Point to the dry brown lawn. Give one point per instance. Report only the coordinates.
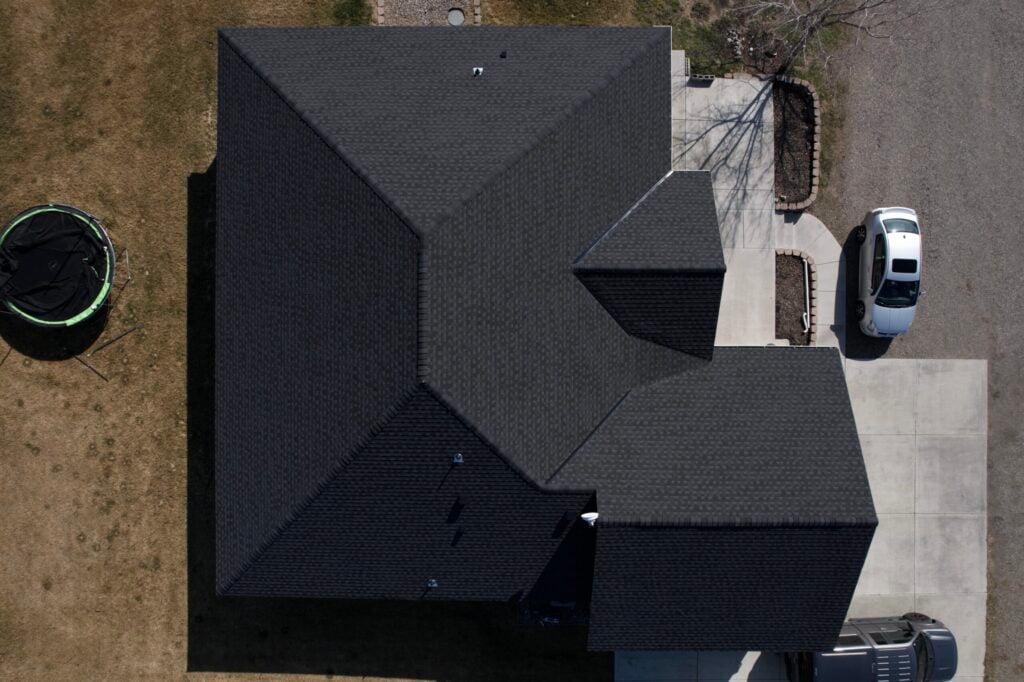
(110, 105)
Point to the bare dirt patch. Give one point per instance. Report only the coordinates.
(790, 299)
(794, 141)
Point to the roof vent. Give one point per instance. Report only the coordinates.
(457, 458)
(431, 583)
(590, 518)
(478, 70)
(503, 54)
(456, 16)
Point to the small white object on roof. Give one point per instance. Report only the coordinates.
(457, 458)
(590, 518)
(478, 70)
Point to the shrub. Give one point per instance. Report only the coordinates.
(352, 12)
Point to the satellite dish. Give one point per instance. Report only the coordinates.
(590, 518)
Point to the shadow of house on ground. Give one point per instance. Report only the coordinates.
(442, 641)
(858, 346)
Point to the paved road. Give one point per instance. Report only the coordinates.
(938, 124)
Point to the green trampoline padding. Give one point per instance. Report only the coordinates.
(56, 265)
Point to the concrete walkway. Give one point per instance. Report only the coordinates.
(805, 233)
(726, 128)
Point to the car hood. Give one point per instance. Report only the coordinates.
(843, 666)
(893, 320)
(944, 655)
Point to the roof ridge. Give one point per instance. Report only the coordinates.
(597, 427)
(360, 172)
(297, 512)
(622, 218)
(494, 448)
(556, 121)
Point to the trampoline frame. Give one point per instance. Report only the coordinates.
(92, 223)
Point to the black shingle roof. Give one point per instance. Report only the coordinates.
(659, 270)
(399, 279)
(757, 436)
(316, 285)
(409, 116)
(402, 513)
(671, 228)
(725, 588)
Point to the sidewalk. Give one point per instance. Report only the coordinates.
(804, 233)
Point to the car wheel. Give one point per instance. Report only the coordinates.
(917, 617)
(860, 233)
(858, 310)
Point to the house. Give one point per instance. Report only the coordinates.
(461, 299)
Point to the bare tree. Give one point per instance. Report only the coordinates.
(795, 27)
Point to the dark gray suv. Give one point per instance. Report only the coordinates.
(911, 648)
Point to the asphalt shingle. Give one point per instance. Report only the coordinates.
(399, 278)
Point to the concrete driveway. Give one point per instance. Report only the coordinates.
(922, 426)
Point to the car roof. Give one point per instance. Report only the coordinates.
(906, 246)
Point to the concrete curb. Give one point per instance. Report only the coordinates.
(812, 272)
(815, 152)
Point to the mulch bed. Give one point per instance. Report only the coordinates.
(794, 141)
(789, 300)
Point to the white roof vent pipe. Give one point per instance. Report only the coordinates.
(478, 70)
(590, 518)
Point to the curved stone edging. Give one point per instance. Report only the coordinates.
(812, 272)
(815, 152)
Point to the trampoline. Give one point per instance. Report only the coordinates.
(56, 265)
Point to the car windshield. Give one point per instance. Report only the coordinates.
(900, 225)
(895, 294)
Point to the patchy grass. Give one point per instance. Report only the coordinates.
(830, 95)
(351, 12)
(698, 27)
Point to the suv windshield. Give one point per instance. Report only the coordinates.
(900, 225)
(895, 294)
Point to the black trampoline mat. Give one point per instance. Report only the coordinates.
(54, 264)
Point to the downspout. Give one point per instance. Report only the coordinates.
(807, 297)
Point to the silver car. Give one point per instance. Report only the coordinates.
(890, 271)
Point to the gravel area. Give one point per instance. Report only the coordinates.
(938, 127)
(422, 12)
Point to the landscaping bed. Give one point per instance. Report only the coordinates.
(794, 141)
(790, 300)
